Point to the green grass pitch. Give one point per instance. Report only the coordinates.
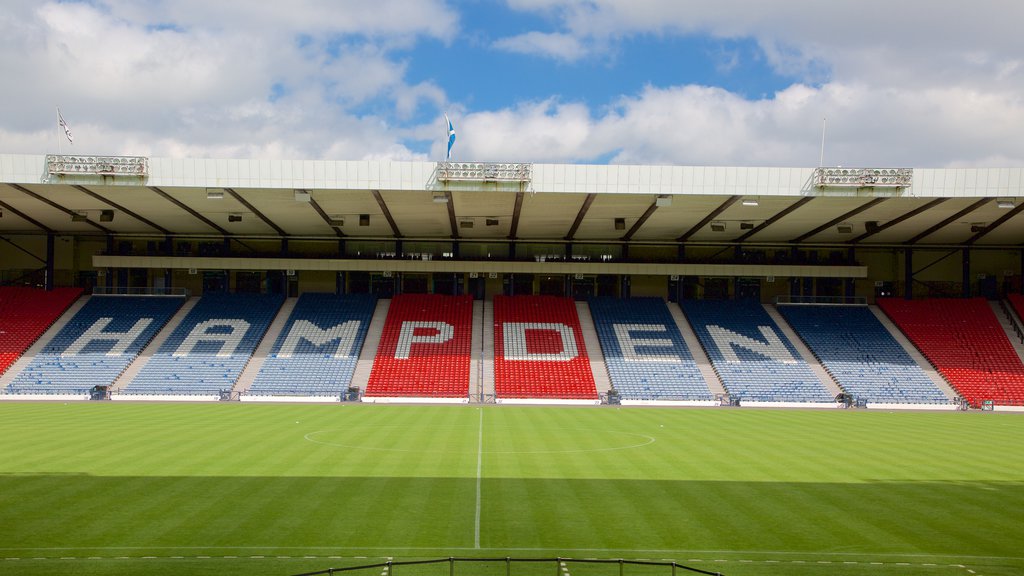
(233, 489)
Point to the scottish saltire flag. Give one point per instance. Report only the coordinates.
(451, 137)
(67, 129)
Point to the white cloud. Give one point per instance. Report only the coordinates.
(214, 78)
(553, 45)
(696, 125)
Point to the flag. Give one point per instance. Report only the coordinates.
(64, 125)
(451, 137)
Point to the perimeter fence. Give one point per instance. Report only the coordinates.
(509, 566)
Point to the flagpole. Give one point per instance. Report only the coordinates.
(57, 108)
(821, 158)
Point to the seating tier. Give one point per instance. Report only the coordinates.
(96, 345)
(424, 349)
(539, 350)
(645, 354)
(25, 313)
(752, 357)
(857, 350)
(206, 353)
(965, 342)
(316, 352)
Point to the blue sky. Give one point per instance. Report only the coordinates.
(694, 82)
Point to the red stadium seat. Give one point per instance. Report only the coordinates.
(965, 342)
(25, 313)
(424, 350)
(545, 356)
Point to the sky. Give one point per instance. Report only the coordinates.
(904, 83)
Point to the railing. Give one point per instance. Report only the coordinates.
(557, 568)
(122, 291)
(484, 172)
(823, 300)
(863, 177)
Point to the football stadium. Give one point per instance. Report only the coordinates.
(435, 368)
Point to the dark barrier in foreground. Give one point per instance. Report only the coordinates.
(504, 567)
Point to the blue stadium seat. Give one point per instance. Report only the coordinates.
(96, 346)
(316, 352)
(645, 354)
(752, 357)
(209, 349)
(861, 355)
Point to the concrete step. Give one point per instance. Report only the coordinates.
(361, 375)
(133, 369)
(597, 365)
(804, 351)
(707, 370)
(252, 368)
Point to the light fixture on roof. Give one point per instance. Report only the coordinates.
(336, 221)
(214, 194)
(440, 198)
(1005, 204)
(303, 196)
(364, 219)
(978, 227)
(490, 221)
(620, 223)
(845, 228)
(465, 223)
(79, 217)
(663, 200)
(107, 216)
(746, 225)
(234, 217)
(718, 226)
(750, 202)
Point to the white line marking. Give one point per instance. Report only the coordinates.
(479, 477)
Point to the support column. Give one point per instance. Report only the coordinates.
(966, 269)
(341, 247)
(48, 280)
(681, 253)
(908, 273)
(851, 284)
(284, 247)
(110, 271)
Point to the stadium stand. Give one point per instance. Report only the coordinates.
(965, 342)
(424, 350)
(1017, 302)
(205, 354)
(539, 351)
(752, 357)
(861, 355)
(316, 352)
(95, 346)
(646, 356)
(25, 313)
